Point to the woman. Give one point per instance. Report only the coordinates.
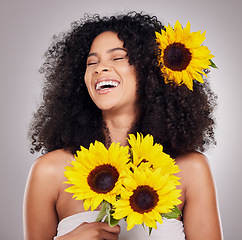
(103, 81)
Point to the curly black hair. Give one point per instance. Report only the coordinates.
(178, 118)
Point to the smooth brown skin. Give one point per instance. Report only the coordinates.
(46, 203)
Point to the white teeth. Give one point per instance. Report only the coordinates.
(106, 83)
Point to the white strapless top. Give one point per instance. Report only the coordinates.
(170, 229)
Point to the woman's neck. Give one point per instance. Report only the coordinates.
(118, 126)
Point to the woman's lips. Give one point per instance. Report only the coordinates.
(105, 85)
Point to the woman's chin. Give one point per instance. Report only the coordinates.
(107, 106)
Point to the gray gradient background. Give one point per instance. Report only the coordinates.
(26, 28)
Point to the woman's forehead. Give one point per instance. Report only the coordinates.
(106, 41)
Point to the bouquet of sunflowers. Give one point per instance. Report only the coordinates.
(136, 183)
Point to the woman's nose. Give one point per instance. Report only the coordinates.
(102, 68)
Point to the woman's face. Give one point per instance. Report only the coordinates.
(110, 79)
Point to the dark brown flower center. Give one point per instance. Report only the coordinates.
(177, 57)
(144, 199)
(102, 179)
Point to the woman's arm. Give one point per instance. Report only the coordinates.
(41, 196)
(200, 215)
(40, 217)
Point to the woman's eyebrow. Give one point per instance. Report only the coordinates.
(108, 51)
(116, 49)
(91, 54)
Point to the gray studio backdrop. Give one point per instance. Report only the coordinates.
(26, 28)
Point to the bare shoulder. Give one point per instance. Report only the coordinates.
(46, 173)
(55, 157)
(50, 163)
(193, 159)
(193, 165)
(195, 174)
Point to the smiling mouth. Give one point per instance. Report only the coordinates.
(106, 85)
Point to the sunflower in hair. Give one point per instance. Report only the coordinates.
(183, 57)
(97, 174)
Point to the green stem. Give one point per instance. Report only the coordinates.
(105, 210)
(102, 212)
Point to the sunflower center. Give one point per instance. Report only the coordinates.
(144, 199)
(177, 57)
(102, 179)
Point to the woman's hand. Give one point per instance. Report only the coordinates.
(93, 231)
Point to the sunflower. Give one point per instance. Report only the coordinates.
(143, 150)
(97, 173)
(183, 57)
(145, 195)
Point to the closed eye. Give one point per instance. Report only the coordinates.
(119, 58)
(92, 63)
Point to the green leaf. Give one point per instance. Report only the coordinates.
(175, 213)
(212, 64)
(150, 230)
(103, 211)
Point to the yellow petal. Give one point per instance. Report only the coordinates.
(156, 215)
(96, 201)
(171, 34)
(134, 218)
(187, 29)
(149, 221)
(87, 204)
